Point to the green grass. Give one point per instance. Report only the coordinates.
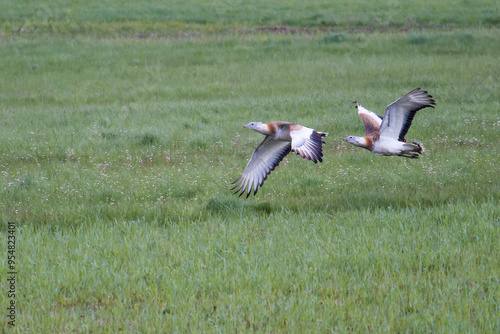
(122, 126)
(360, 270)
(115, 17)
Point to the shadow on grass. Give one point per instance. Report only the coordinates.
(148, 139)
(228, 206)
(186, 210)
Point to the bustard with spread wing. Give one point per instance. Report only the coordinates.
(386, 135)
(281, 139)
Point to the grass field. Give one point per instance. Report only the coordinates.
(122, 127)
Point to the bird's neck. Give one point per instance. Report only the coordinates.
(267, 129)
(364, 142)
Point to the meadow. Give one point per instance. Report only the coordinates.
(122, 127)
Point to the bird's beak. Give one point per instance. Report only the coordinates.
(345, 139)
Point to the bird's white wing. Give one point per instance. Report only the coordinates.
(399, 114)
(266, 157)
(308, 143)
(370, 119)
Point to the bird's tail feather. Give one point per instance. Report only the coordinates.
(413, 150)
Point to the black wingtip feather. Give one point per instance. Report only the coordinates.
(411, 113)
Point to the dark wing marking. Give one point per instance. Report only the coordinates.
(399, 114)
(308, 143)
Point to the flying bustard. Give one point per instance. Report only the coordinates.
(386, 135)
(281, 138)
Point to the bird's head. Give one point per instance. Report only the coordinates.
(253, 125)
(359, 141)
(352, 139)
